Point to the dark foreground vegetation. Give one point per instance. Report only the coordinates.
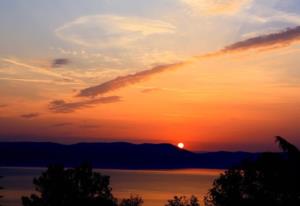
(1, 188)
(273, 179)
(82, 187)
(270, 179)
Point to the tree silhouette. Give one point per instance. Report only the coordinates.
(71, 187)
(183, 201)
(1, 188)
(286, 146)
(271, 179)
(132, 201)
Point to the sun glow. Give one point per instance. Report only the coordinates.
(180, 145)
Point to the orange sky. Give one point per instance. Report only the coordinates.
(76, 88)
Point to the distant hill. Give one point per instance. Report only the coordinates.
(118, 155)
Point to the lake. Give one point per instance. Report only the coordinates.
(155, 186)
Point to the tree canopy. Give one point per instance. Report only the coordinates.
(183, 201)
(1, 188)
(71, 187)
(271, 179)
(132, 201)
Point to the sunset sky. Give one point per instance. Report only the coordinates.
(213, 74)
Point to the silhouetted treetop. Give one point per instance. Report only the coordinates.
(71, 187)
(285, 145)
(272, 179)
(1, 188)
(132, 201)
(183, 201)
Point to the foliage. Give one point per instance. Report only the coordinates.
(1, 188)
(272, 179)
(132, 201)
(183, 201)
(71, 187)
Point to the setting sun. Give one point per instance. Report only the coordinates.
(142, 101)
(180, 145)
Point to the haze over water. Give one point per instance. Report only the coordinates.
(155, 186)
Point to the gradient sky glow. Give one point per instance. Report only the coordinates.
(213, 74)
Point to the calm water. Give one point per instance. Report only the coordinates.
(156, 187)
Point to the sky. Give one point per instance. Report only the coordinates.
(213, 74)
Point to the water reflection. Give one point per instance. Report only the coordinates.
(155, 186)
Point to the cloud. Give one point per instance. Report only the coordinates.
(64, 81)
(62, 124)
(111, 30)
(90, 126)
(3, 105)
(216, 7)
(31, 67)
(30, 115)
(271, 15)
(123, 81)
(149, 90)
(262, 42)
(283, 38)
(60, 62)
(39, 70)
(60, 106)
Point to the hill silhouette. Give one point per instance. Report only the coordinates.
(118, 155)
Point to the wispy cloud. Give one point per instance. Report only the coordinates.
(31, 67)
(262, 42)
(3, 105)
(277, 16)
(60, 62)
(90, 126)
(282, 38)
(216, 7)
(152, 89)
(37, 69)
(63, 124)
(111, 30)
(60, 106)
(30, 115)
(43, 81)
(124, 81)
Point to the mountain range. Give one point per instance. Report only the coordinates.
(117, 155)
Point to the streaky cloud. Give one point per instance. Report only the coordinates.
(31, 67)
(36, 69)
(262, 42)
(149, 90)
(3, 105)
(216, 7)
(111, 31)
(273, 40)
(283, 38)
(63, 124)
(61, 106)
(90, 126)
(30, 115)
(124, 81)
(64, 81)
(60, 62)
